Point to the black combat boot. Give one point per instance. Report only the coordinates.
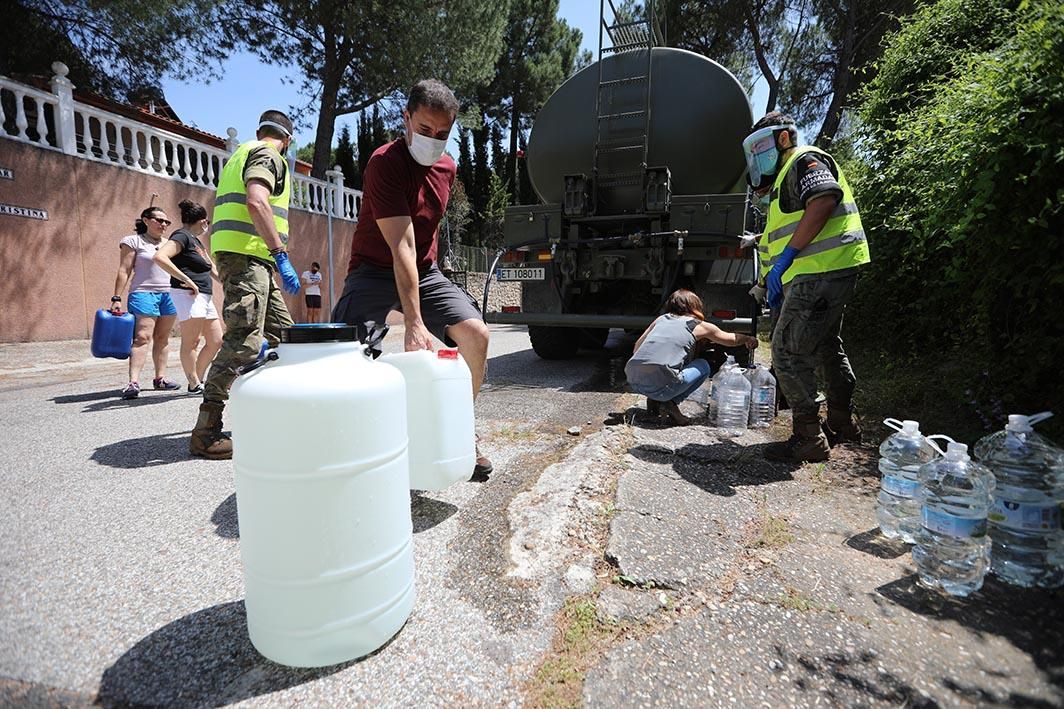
(807, 443)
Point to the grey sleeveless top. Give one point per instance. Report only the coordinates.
(664, 352)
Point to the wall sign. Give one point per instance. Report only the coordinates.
(7, 174)
(14, 211)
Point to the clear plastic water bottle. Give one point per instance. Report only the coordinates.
(714, 397)
(733, 403)
(762, 396)
(952, 551)
(900, 458)
(697, 404)
(1025, 516)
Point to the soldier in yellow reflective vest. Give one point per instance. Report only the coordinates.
(811, 252)
(249, 240)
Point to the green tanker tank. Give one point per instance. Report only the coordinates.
(638, 162)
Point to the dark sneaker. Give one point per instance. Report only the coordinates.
(132, 391)
(198, 389)
(672, 412)
(164, 383)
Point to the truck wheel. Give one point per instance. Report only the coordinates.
(554, 342)
(594, 338)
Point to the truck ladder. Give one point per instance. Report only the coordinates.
(627, 154)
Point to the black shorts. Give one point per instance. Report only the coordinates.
(313, 301)
(370, 292)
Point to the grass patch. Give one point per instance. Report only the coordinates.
(581, 640)
(795, 600)
(772, 532)
(510, 433)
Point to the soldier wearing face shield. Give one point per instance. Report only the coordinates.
(811, 251)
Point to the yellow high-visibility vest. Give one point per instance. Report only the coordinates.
(840, 244)
(232, 229)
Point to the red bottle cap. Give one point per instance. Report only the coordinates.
(447, 354)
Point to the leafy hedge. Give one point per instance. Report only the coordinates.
(961, 188)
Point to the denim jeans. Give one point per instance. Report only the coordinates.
(691, 377)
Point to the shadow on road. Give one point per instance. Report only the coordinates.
(874, 543)
(88, 396)
(636, 416)
(202, 659)
(112, 399)
(225, 520)
(1030, 619)
(145, 452)
(425, 512)
(721, 467)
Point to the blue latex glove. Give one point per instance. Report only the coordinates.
(289, 279)
(774, 280)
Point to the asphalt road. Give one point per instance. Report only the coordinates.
(121, 575)
(714, 577)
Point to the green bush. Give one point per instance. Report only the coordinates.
(961, 191)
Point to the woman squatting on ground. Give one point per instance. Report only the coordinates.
(664, 366)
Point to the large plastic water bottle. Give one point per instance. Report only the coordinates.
(952, 551)
(1025, 517)
(900, 458)
(323, 500)
(439, 405)
(762, 396)
(733, 403)
(714, 397)
(697, 404)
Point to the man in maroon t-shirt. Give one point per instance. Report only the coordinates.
(406, 188)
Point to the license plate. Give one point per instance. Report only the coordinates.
(521, 274)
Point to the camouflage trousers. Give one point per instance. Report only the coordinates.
(252, 310)
(808, 339)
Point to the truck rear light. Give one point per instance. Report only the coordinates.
(543, 256)
(724, 314)
(511, 308)
(729, 252)
(514, 256)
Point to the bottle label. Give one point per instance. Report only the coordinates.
(899, 486)
(1025, 516)
(952, 525)
(763, 396)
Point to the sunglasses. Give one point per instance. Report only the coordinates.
(164, 222)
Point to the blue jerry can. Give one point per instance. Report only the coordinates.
(112, 335)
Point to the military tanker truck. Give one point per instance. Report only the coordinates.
(639, 165)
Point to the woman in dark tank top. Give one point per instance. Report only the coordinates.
(663, 367)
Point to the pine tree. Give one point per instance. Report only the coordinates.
(345, 157)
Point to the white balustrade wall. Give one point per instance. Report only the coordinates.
(55, 121)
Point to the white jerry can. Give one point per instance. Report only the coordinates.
(323, 502)
(439, 404)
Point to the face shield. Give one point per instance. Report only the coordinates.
(762, 155)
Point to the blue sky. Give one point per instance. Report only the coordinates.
(248, 86)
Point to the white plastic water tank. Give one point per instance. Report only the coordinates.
(323, 502)
(439, 403)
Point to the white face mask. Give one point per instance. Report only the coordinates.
(425, 150)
